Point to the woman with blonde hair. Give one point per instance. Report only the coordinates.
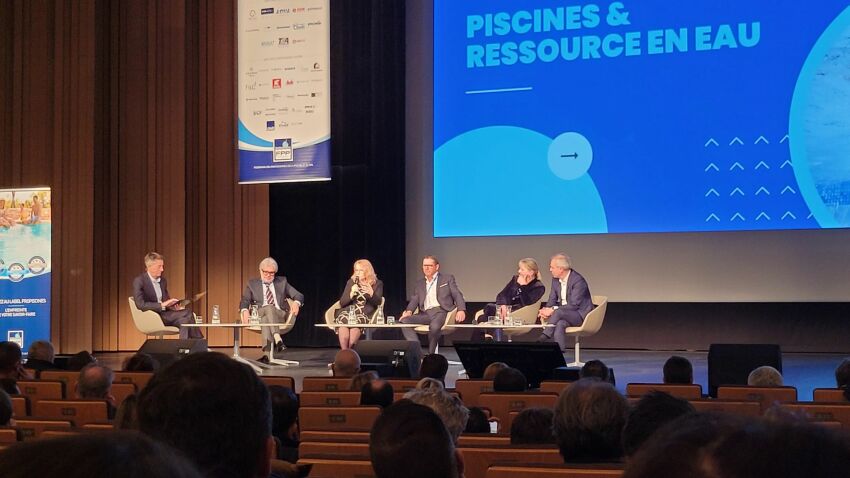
(525, 288)
(360, 298)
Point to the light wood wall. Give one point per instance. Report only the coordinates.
(127, 109)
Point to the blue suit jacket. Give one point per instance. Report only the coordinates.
(578, 294)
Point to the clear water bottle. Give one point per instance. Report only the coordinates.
(216, 315)
(255, 315)
(379, 316)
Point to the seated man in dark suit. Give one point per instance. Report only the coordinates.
(274, 297)
(569, 301)
(435, 296)
(150, 292)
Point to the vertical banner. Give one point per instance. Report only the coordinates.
(284, 91)
(25, 265)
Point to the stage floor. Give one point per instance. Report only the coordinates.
(806, 371)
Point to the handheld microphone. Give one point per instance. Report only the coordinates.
(356, 281)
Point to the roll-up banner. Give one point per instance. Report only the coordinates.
(25, 265)
(284, 91)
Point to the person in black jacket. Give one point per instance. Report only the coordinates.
(524, 289)
(360, 298)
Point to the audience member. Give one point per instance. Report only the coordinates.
(842, 374)
(597, 369)
(532, 426)
(224, 430)
(588, 422)
(678, 370)
(765, 376)
(411, 440)
(140, 362)
(361, 379)
(285, 422)
(126, 417)
(95, 455)
(5, 409)
(510, 380)
(652, 411)
(715, 445)
(346, 363)
(429, 382)
(448, 407)
(434, 366)
(40, 356)
(79, 360)
(477, 422)
(377, 392)
(96, 382)
(11, 368)
(493, 369)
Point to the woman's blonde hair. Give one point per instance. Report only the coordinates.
(371, 277)
(531, 264)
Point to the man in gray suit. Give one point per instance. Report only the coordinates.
(435, 296)
(274, 297)
(569, 300)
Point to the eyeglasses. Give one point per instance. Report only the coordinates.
(429, 265)
(268, 273)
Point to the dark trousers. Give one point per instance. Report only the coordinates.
(561, 319)
(435, 317)
(490, 310)
(176, 317)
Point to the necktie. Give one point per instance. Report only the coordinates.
(269, 296)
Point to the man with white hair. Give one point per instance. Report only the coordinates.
(274, 297)
(569, 301)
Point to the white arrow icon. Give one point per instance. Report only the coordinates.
(712, 191)
(736, 140)
(762, 190)
(737, 191)
(762, 164)
(711, 141)
(763, 215)
(784, 139)
(762, 139)
(738, 216)
(788, 214)
(789, 189)
(786, 163)
(713, 217)
(737, 165)
(712, 166)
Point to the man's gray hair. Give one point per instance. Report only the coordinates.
(562, 260)
(268, 262)
(152, 257)
(41, 350)
(95, 381)
(447, 406)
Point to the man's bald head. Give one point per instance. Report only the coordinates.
(346, 363)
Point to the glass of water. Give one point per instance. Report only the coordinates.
(390, 320)
(199, 319)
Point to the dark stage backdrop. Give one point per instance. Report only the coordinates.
(318, 230)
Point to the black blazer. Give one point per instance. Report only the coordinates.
(521, 295)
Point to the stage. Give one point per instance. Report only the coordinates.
(806, 371)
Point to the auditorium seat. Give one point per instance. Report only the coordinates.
(402, 384)
(338, 418)
(9, 435)
(470, 389)
(325, 384)
(554, 386)
(329, 467)
(501, 404)
(766, 396)
(287, 382)
(141, 379)
(79, 412)
(355, 450)
(749, 408)
(555, 471)
(484, 439)
(823, 411)
(60, 432)
(686, 391)
(330, 399)
(828, 395)
(591, 325)
(334, 435)
(68, 377)
(20, 406)
(42, 389)
(122, 390)
(32, 427)
(99, 426)
(478, 459)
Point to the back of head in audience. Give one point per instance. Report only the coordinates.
(95, 455)
(10, 359)
(678, 370)
(96, 382)
(5, 409)
(410, 440)
(493, 369)
(842, 374)
(41, 350)
(140, 362)
(510, 380)
(434, 366)
(597, 369)
(213, 409)
(126, 417)
(346, 363)
(765, 376)
(79, 360)
(429, 382)
(448, 407)
(285, 422)
(477, 422)
(361, 379)
(715, 445)
(532, 426)
(588, 422)
(377, 392)
(652, 411)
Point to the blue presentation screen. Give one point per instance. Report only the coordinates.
(559, 117)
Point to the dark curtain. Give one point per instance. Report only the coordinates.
(318, 230)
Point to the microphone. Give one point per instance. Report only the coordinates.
(356, 281)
